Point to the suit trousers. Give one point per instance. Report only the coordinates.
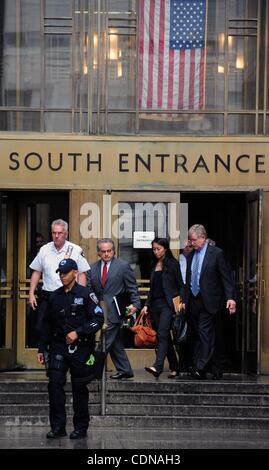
(115, 347)
(162, 314)
(203, 325)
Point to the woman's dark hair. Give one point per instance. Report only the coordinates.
(168, 254)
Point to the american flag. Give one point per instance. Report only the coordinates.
(172, 54)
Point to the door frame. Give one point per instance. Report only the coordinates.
(21, 226)
(7, 293)
(253, 291)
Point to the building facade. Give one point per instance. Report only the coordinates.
(130, 118)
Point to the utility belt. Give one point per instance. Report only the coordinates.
(58, 338)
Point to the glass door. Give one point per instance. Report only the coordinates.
(136, 219)
(25, 225)
(28, 228)
(35, 214)
(253, 284)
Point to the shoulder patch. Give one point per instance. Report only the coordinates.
(94, 298)
(98, 310)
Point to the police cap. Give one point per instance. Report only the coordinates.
(67, 265)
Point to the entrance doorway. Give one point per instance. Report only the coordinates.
(233, 221)
(25, 226)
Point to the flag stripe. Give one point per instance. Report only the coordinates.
(161, 54)
(151, 46)
(170, 77)
(142, 54)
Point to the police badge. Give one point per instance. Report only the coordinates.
(94, 298)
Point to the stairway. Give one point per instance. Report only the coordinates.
(232, 403)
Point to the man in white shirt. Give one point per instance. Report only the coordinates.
(47, 260)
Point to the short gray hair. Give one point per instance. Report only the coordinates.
(60, 222)
(105, 240)
(198, 229)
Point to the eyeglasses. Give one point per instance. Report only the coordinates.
(57, 233)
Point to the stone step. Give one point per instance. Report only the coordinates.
(188, 399)
(162, 404)
(144, 398)
(37, 398)
(179, 422)
(187, 410)
(148, 422)
(161, 422)
(146, 410)
(40, 409)
(28, 386)
(188, 387)
(184, 386)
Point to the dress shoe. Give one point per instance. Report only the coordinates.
(55, 433)
(173, 374)
(78, 434)
(121, 375)
(199, 374)
(217, 375)
(152, 371)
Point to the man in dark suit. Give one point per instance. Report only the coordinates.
(208, 285)
(110, 277)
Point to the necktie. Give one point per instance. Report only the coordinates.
(104, 273)
(195, 275)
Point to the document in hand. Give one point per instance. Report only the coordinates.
(177, 303)
(121, 301)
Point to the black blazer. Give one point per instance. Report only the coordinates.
(216, 284)
(172, 283)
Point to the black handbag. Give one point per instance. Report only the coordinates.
(89, 370)
(179, 328)
(96, 364)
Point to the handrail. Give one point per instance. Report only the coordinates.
(103, 345)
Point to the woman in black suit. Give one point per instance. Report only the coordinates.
(165, 284)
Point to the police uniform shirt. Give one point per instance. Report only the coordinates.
(75, 310)
(48, 258)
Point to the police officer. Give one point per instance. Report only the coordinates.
(46, 262)
(68, 333)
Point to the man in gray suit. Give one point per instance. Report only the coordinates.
(110, 277)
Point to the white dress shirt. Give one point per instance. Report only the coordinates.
(48, 259)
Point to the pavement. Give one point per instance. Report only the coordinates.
(16, 437)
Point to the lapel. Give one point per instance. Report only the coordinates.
(111, 271)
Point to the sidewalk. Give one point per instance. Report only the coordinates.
(35, 438)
